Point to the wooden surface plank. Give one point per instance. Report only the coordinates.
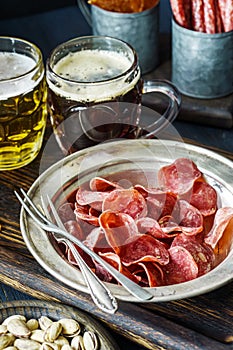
(143, 326)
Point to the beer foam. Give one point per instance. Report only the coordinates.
(14, 65)
(93, 66)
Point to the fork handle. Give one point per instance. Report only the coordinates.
(99, 293)
(133, 288)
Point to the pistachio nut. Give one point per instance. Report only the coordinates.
(90, 341)
(52, 332)
(70, 327)
(77, 343)
(5, 340)
(32, 324)
(3, 329)
(12, 317)
(61, 341)
(44, 322)
(49, 346)
(37, 335)
(26, 344)
(19, 328)
(66, 347)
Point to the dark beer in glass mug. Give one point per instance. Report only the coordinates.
(95, 90)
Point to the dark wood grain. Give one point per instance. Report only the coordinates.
(203, 322)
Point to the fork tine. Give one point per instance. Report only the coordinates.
(29, 211)
(38, 212)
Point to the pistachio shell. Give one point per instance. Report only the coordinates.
(27, 344)
(3, 329)
(10, 348)
(37, 335)
(49, 346)
(90, 341)
(77, 343)
(5, 340)
(70, 327)
(19, 328)
(53, 332)
(44, 322)
(61, 341)
(12, 317)
(66, 347)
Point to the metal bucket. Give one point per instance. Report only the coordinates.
(140, 30)
(202, 64)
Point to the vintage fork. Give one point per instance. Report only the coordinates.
(140, 293)
(100, 294)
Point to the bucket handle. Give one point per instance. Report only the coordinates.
(85, 9)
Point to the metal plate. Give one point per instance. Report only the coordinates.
(122, 157)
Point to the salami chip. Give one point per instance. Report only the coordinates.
(154, 274)
(181, 268)
(128, 201)
(179, 176)
(100, 184)
(202, 254)
(144, 248)
(93, 198)
(114, 260)
(73, 227)
(150, 226)
(118, 227)
(204, 198)
(222, 219)
(191, 220)
(83, 213)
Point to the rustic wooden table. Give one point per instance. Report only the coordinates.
(204, 322)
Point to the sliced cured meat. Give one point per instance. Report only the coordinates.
(180, 9)
(114, 260)
(161, 206)
(190, 220)
(181, 268)
(209, 16)
(128, 201)
(96, 240)
(150, 226)
(179, 176)
(202, 254)
(154, 274)
(198, 15)
(94, 199)
(221, 221)
(144, 248)
(66, 212)
(118, 227)
(83, 213)
(100, 184)
(204, 198)
(74, 228)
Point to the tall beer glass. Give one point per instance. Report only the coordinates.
(23, 95)
(95, 90)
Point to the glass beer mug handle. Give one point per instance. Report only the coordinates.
(174, 97)
(85, 9)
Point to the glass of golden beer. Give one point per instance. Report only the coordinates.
(23, 96)
(95, 91)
